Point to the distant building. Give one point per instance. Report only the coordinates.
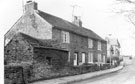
(113, 48)
(126, 58)
(38, 31)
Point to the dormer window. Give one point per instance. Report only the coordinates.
(65, 37)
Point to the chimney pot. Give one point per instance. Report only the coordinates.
(28, 1)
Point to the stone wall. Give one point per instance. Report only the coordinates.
(13, 75)
(18, 73)
(48, 61)
(18, 50)
(66, 71)
(30, 24)
(52, 56)
(24, 73)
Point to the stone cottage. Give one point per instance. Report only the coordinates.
(37, 33)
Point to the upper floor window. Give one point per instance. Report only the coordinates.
(90, 43)
(99, 45)
(65, 37)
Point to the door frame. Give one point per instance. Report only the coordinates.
(75, 61)
(83, 57)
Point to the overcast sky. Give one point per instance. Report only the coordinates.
(97, 15)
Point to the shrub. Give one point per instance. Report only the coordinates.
(41, 70)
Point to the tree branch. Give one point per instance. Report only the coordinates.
(131, 19)
(127, 1)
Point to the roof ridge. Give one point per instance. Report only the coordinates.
(35, 41)
(61, 19)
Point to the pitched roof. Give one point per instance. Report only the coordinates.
(113, 41)
(65, 25)
(38, 42)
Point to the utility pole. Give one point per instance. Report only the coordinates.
(110, 55)
(73, 6)
(110, 50)
(23, 5)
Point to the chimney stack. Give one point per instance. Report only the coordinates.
(30, 6)
(77, 21)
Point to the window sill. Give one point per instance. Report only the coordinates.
(90, 47)
(90, 62)
(100, 63)
(81, 63)
(65, 42)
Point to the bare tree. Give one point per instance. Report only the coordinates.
(127, 1)
(128, 12)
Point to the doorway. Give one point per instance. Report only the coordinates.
(83, 58)
(75, 58)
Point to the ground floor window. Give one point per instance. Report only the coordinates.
(104, 59)
(90, 57)
(99, 58)
(83, 57)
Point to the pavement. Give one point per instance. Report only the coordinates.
(70, 79)
(124, 76)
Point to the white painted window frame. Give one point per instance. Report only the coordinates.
(99, 58)
(104, 59)
(99, 45)
(90, 43)
(75, 59)
(90, 57)
(83, 57)
(65, 37)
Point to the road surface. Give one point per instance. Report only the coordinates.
(124, 76)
